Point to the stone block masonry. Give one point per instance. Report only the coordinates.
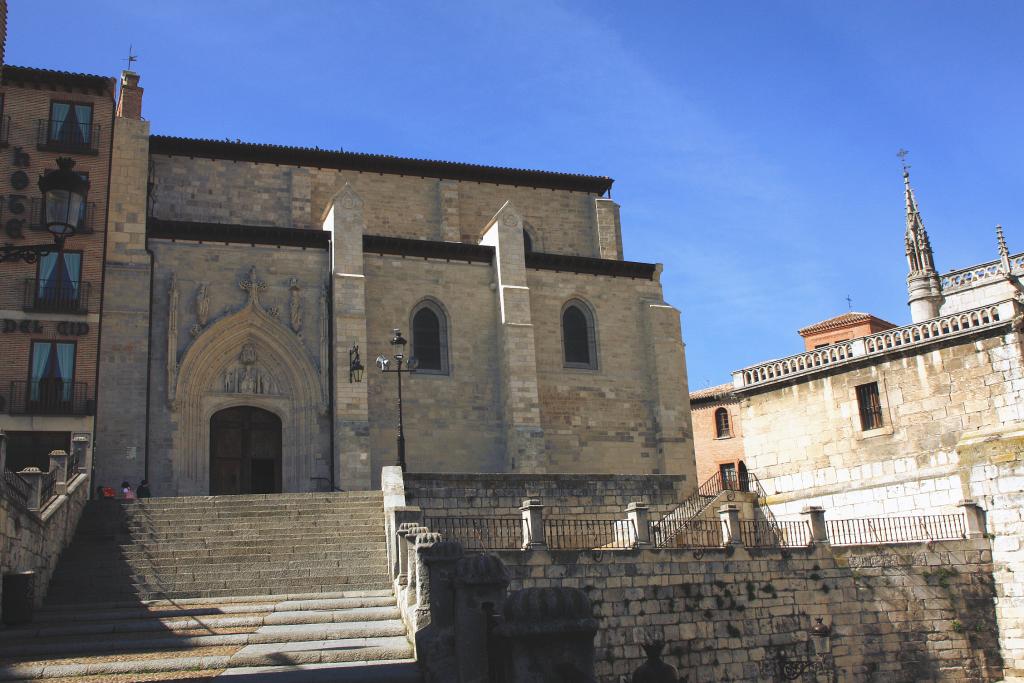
(563, 495)
(897, 613)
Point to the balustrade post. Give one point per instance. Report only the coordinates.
(816, 520)
(975, 518)
(533, 524)
(730, 516)
(481, 583)
(407, 516)
(637, 513)
(34, 477)
(59, 462)
(410, 571)
(434, 616)
(400, 573)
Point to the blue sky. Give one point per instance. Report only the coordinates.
(753, 143)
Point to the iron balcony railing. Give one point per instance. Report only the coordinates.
(697, 533)
(56, 297)
(589, 534)
(896, 529)
(480, 533)
(59, 136)
(766, 534)
(16, 488)
(50, 397)
(47, 487)
(87, 224)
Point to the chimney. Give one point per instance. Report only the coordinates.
(129, 102)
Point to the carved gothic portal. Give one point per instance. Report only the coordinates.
(247, 359)
(245, 451)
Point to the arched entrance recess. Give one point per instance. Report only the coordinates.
(245, 451)
(247, 358)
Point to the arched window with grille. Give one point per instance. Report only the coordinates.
(579, 343)
(430, 337)
(723, 428)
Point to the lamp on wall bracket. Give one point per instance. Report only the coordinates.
(64, 192)
(355, 365)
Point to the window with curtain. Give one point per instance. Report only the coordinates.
(70, 123)
(578, 343)
(52, 372)
(430, 338)
(59, 280)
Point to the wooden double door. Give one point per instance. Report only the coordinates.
(245, 451)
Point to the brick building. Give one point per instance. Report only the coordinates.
(717, 434)
(49, 310)
(241, 278)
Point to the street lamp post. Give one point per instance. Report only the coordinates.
(384, 363)
(64, 192)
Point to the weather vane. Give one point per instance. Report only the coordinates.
(131, 57)
(902, 154)
(849, 302)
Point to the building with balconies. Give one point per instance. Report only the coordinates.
(49, 309)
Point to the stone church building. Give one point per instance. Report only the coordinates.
(242, 280)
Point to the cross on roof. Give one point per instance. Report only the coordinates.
(849, 302)
(131, 58)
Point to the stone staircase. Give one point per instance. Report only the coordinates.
(268, 587)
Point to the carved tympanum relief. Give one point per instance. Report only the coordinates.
(247, 377)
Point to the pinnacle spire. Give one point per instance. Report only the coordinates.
(919, 249)
(1004, 253)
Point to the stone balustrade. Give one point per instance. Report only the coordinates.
(957, 280)
(916, 334)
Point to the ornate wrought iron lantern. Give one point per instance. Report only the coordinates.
(64, 193)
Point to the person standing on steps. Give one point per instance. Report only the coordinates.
(126, 491)
(143, 490)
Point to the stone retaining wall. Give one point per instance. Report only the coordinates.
(898, 613)
(33, 542)
(577, 495)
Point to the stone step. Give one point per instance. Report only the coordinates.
(189, 562)
(383, 660)
(145, 592)
(253, 618)
(163, 610)
(135, 641)
(296, 600)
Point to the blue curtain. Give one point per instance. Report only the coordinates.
(65, 368)
(71, 274)
(83, 113)
(47, 285)
(58, 113)
(40, 359)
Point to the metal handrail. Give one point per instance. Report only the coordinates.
(589, 534)
(16, 487)
(480, 533)
(869, 530)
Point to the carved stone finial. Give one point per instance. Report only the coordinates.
(253, 286)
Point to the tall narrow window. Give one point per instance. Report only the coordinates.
(430, 338)
(51, 375)
(578, 343)
(870, 406)
(59, 281)
(722, 427)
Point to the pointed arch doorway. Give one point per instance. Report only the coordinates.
(245, 451)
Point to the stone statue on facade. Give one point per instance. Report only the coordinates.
(295, 301)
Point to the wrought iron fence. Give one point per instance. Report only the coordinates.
(896, 529)
(589, 534)
(16, 487)
(697, 533)
(62, 136)
(480, 533)
(74, 459)
(47, 487)
(50, 397)
(56, 297)
(770, 533)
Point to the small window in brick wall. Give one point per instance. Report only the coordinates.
(870, 406)
(722, 428)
